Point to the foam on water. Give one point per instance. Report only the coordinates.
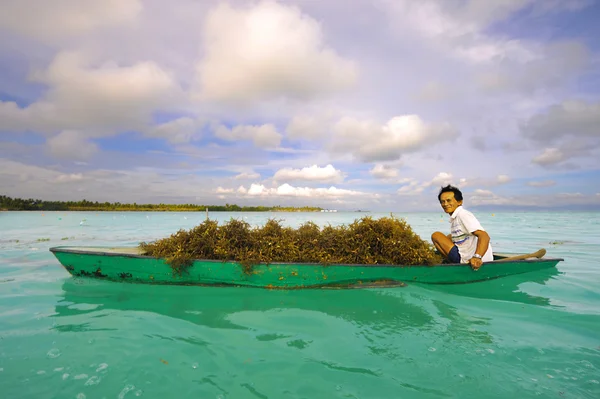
(523, 336)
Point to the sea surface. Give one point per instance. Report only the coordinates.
(536, 335)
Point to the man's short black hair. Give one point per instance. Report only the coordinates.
(451, 189)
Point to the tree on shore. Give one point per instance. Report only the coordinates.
(19, 204)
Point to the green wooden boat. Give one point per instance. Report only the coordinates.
(127, 264)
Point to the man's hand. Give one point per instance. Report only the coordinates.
(483, 241)
(475, 263)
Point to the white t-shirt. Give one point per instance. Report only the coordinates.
(462, 225)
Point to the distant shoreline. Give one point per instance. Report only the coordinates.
(150, 210)
(20, 204)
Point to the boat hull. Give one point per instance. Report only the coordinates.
(127, 265)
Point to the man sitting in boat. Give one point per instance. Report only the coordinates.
(467, 242)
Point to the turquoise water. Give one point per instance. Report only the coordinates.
(534, 335)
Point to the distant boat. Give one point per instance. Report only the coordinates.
(127, 264)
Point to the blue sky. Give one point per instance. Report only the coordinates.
(347, 105)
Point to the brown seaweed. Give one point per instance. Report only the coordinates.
(368, 241)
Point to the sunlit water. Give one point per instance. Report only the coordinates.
(533, 335)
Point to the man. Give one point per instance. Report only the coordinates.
(467, 242)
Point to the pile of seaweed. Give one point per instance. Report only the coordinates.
(386, 240)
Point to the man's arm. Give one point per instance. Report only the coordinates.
(483, 241)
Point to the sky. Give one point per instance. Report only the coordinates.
(347, 105)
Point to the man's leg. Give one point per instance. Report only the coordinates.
(442, 242)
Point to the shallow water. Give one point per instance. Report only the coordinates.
(533, 335)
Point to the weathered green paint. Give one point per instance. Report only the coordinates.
(124, 264)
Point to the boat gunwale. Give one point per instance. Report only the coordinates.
(69, 249)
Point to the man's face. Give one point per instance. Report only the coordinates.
(449, 203)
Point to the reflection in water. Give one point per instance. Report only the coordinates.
(379, 317)
(503, 289)
(461, 327)
(213, 307)
(344, 334)
(379, 310)
(221, 340)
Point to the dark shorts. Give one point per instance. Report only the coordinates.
(454, 255)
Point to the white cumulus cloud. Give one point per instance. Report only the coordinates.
(326, 174)
(221, 190)
(369, 141)
(266, 51)
(442, 179)
(287, 190)
(381, 171)
(97, 99)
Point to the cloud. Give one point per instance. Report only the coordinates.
(486, 197)
(307, 128)
(569, 195)
(100, 99)
(247, 176)
(286, 190)
(464, 35)
(433, 91)
(141, 185)
(221, 190)
(442, 179)
(263, 136)
(327, 174)
(503, 179)
(567, 150)
(483, 193)
(178, 131)
(546, 201)
(380, 171)
(290, 71)
(459, 29)
(572, 118)
(548, 66)
(268, 51)
(68, 178)
(541, 183)
(71, 145)
(483, 181)
(65, 18)
(550, 156)
(370, 142)
(479, 143)
(414, 187)
(571, 127)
